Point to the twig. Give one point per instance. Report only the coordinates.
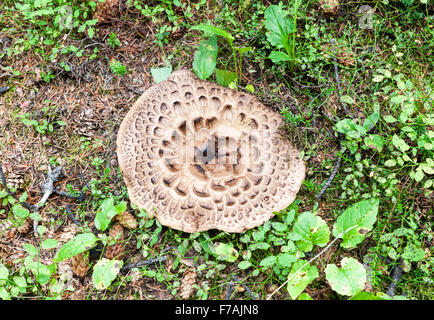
(139, 264)
(322, 251)
(47, 189)
(332, 176)
(4, 182)
(396, 276)
(4, 89)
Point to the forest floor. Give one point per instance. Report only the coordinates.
(66, 93)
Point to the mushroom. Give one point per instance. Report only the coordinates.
(200, 156)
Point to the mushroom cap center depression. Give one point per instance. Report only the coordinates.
(210, 148)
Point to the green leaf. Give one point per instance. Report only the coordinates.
(413, 253)
(304, 296)
(20, 212)
(300, 279)
(4, 273)
(205, 58)
(268, 262)
(363, 214)
(208, 28)
(347, 280)
(48, 244)
(350, 128)
(243, 50)
(400, 143)
(374, 141)
(80, 243)
(225, 252)
(105, 214)
(224, 77)
(378, 78)
(362, 295)
(313, 231)
(161, 74)
(30, 249)
(23, 197)
(104, 272)
(278, 56)
(250, 88)
(398, 99)
(347, 99)
(371, 121)
(244, 265)
(389, 119)
(285, 260)
(279, 226)
(279, 26)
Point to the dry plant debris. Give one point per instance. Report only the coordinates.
(206, 157)
(127, 220)
(330, 7)
(187, 282)
(80, 264)
(115, 251)
(106, 9)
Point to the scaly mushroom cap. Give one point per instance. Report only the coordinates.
(201, 156)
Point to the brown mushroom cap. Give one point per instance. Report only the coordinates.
(201, 156)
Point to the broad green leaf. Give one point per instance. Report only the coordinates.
(208, 28)
(224, 77)
(30, 249)
(413, 253)
(398, 99)
(104, 272)
(48, 244)
(80, 243)
(250, 88)
(347, 280)
(285, 260)
(390, 163)
(279, 226)
(20, 281)
(205, 58)
(225, 252)
(278, 56)
(400, 143)
(371, 121)
(299, 279)
(313, 231)
(347, 99)
(19, 211)
(350, 128)
(374, 141)
(243, 50)
(260, 246)
(304, 296)
(161, 74)
(378, 78)
(279, 26)
(386, 73)
(268, 262)
(244, 265)
(362, 295)
(106, 212)
(4, 273)
(363, 214)
(389, 119)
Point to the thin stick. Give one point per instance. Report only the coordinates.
(324, 250)
(330, 179)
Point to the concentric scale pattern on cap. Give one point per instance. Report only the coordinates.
(200, 156)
